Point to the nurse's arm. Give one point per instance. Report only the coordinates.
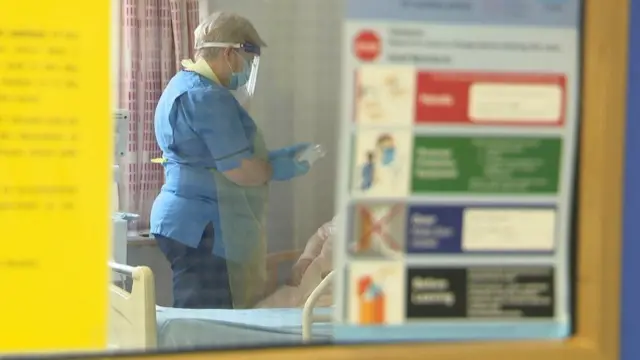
(215, 118)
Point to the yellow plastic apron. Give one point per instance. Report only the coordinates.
(242, 212)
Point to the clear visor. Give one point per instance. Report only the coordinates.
(250, 86)
(249, 52)
(244, 93)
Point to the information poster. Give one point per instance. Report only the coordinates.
(55, 175)
(459, 140)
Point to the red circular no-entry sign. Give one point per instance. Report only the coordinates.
(367, 46)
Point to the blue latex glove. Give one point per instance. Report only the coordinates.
(289, 151)
(287, 167)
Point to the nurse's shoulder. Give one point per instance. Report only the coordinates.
(180, 84)
(211, 97)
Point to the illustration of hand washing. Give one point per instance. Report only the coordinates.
(384, 96)
(395, 88)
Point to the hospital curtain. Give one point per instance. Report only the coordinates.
(155, 36)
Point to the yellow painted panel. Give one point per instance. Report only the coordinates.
(55, 174)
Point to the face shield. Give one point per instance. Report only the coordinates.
(251, 54)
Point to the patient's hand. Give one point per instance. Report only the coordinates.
(297, 272)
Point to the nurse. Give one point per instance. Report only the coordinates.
(208, 219)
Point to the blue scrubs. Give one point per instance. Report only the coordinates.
(199, 126)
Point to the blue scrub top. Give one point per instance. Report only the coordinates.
(199, 126)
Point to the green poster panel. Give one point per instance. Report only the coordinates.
(513, 165)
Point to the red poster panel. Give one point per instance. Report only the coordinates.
(491, 98)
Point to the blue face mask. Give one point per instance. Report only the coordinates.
(238, 79)
(388, 155)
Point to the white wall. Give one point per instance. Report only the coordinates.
(297, 99)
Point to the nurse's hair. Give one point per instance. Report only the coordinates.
(224, 27)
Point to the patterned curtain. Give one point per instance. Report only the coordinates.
(156, 35)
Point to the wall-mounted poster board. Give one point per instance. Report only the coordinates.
(459, 128)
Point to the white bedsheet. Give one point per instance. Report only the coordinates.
(186, 328)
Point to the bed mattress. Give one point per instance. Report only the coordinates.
(186, 328)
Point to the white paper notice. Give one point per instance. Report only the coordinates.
(508, 229)
(491, 102)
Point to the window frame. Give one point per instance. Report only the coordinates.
(599, 219)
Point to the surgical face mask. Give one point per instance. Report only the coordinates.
(239, 79)
(388, 155)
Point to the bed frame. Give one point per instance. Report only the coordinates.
(308, 317)
(132, 315)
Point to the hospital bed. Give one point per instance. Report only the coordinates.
(137, 323)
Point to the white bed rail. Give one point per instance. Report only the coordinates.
(308, 317)
(124, 269)
(132, 315)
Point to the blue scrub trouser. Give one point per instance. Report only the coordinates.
(200, 279)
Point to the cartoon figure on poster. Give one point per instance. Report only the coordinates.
(378, 231)
(377, 293)
(385, 95)
(382, 167)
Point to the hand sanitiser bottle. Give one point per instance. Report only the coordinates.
(312, 154)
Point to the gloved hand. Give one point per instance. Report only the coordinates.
(287, 167)
(289, 151)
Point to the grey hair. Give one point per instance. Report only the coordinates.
(224, 27)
